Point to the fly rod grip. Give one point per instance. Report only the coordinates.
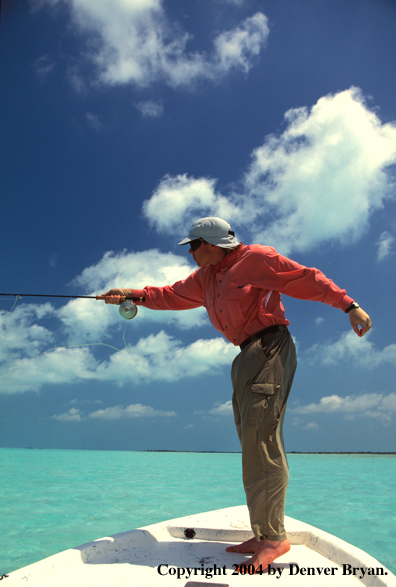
(123, 298)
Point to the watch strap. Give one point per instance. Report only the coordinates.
(352, 306)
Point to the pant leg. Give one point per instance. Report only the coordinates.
(262, 375)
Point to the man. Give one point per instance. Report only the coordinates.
(240, 287)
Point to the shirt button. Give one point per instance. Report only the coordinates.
(226, 326)
(221, 311)
(218, 295)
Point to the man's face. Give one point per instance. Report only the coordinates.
(203, 253)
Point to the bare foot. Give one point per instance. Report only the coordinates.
(266, 552)
(248, 546)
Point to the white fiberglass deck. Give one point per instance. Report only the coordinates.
(162, 555)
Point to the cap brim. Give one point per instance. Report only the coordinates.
(185, 241)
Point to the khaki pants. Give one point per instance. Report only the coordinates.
(262, 375)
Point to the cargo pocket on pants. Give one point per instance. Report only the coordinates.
(261, 403)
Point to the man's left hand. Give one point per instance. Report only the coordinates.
(358, 317)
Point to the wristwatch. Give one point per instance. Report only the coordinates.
(352, 306)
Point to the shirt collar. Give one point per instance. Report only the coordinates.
(226, 263)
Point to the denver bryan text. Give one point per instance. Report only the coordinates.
(346, 569)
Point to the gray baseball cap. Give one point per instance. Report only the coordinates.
(214, 231)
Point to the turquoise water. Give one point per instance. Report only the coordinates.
(51, 500)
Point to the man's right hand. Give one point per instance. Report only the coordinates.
(116, 296)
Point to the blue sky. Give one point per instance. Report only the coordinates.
(121, 123)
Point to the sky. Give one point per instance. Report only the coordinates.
(121, 123)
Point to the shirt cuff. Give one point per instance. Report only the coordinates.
(139, 293)
(346, 301)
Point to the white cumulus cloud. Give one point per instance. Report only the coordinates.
(133, 42)
(222, 409)
(131, 411)
(150, 108)
(54, 367)
(384, 245)
(162, 358)
(158, 357)
(327, 172)
(373, 405)
(73, 415)
(320, 180)
(20, 332)
(351, 348)
(311, 426)
(218, 409)
(179, 198)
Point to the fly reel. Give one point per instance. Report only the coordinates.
(128, 310)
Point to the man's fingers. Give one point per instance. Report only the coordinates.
(114, 296)
(359, 318)
(116, 300)
(366, 325)
(111, 299)
(356, 329)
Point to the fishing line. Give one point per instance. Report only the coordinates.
(70, 346)
(127, 310)
(14, 304)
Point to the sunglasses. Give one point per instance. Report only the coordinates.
(195, 244)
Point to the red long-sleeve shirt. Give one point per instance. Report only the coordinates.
(242, 294)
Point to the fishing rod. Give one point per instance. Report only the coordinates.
(63, 296)
(128, 309)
